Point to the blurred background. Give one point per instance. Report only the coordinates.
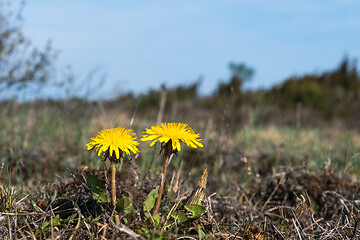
(136, 46)
(272, 88)
(256, 79)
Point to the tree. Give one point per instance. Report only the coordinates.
(240, 73)
(334, 93)
(20, 63)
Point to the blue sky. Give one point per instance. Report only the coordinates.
(141, 44)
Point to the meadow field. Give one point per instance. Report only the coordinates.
(116, 156)
(265, 180)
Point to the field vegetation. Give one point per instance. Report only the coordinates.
(268, 178)
(281, 163)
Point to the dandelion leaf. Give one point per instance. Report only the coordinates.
(156, 219)
(150, 201)
(124, 206)
(179, 216)
(195, 210)
(100, 192)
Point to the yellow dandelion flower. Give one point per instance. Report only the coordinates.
(175, 132)
(116, 140)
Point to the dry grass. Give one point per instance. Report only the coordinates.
(270, 182)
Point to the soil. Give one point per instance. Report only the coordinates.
(284, 206)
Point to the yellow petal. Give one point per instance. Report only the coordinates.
(117, 153)
(153, 143)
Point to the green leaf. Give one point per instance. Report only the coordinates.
(46, 225)
(150, 201)
(179, 216)
(35, 206)
(56, 220)
(124, 206)
(195, 210)
(156, 219)
(99, 190)
(70, 218)
(90, 219)
(95, 184)
(54, 196)
(96, 220)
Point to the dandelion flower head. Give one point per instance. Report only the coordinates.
(175, 132)
(116, 140)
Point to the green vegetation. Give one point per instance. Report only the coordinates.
(253, 169)
(278, 170)
(335, 94)
(276, 164)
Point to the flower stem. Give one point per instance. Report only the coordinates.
(113, 190)
(158, 200)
